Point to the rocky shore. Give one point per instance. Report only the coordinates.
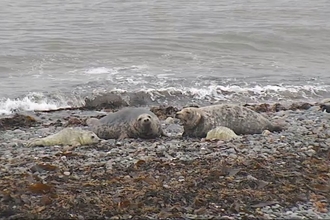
(282, 175)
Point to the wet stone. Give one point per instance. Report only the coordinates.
(135, 179)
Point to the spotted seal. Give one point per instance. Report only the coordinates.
(129, 122)
(198, 121)
(67, 136)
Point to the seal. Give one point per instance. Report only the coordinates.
(221, 133)
(198, 121)
(129, 122)
(325, 105)
(67, 136)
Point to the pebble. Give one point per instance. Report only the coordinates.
(266, 132)
(310, 152)
(112, 153)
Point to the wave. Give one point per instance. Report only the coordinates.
(31, 102)
(178, 96)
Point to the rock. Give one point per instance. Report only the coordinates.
(266, 132)
(221, 133)
(74, 121)
(310, 152)
(173, 129)
(139, 99)
(300, 106)
(109, 100)
(163, 112)
(17, 121)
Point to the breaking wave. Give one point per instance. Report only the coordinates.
(167, 96)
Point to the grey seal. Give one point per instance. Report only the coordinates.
(129, 122)
(197, 122)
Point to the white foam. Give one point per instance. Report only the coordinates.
(101, 70)
(219, 92)
(203, 91)
(28, 103)
(115, 70)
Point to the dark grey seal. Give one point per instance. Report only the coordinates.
(128, 122)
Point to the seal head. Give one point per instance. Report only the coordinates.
(189, 117)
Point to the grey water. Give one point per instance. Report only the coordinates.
(202, 49)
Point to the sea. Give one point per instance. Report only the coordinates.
(56, 54)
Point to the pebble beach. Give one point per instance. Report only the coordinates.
(62, 63)
(281, 175)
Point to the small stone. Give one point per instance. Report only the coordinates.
(169, 120)
(303, 148)
(109, 142)
(266, 132)
(108, 165)
(161, 148)
(276, 206)
(309, 121)
(297, 144)
(289, 213)
(226, 217)
(310, 152)
(231, 151)
(66, 173)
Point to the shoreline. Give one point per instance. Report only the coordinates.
(258, 176)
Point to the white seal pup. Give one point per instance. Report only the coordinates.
(129, 122)
(68, 136)
(221, 133)
(198, 121)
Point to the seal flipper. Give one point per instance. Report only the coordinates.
(75, 144)
(123, 136)
(277, 127)
(35, 143)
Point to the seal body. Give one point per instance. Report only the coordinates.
(198, 121)
(68, 136)
(221, 133)
(128, 122)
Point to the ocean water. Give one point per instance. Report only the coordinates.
(55, 54)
